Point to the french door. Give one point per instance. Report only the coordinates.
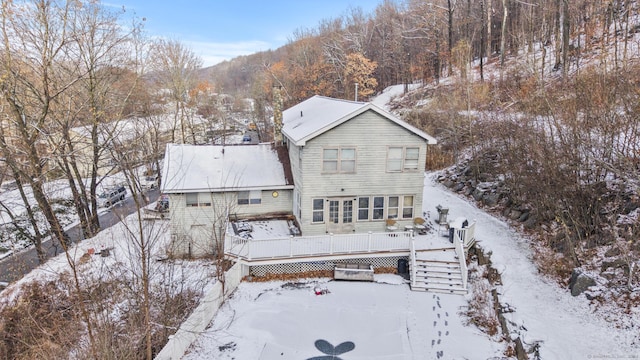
(340, 215)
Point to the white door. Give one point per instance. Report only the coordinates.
(340, 215)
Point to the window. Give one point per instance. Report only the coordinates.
(411, 156)
(363, 208)
(392, 210)
(192, 199)
(347, 160)
(378, 207)
(402, 159)
(249, 197)
(342, 160)
(347, 211)
(204, 199)
(318, 210)
(330, 160)
(334, 211)
(394, 159)
(407, 207)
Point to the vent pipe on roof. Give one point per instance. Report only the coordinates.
(277, 116)
(356, 91)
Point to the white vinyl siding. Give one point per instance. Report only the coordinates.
(370, 179)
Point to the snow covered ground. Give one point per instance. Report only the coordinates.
(386, 320)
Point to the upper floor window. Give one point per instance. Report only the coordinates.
(339, 160)
(249, 197)
(402, 158)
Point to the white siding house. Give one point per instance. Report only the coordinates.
(354, 165)
(345, 167)
(209, 184)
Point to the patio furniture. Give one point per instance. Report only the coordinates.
(392, 225)
(419, 226)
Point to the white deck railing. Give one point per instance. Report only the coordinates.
(466, 235)
(462, 240)
(322, 245)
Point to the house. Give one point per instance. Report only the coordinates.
(208, 184)
(343, 167)
(354, 165)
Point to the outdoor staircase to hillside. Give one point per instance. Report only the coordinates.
(437, 270)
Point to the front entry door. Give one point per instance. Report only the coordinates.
(340, 215)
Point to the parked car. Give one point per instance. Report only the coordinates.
(108, 198)
(149, 182)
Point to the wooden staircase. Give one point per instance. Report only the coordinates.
(437, 270)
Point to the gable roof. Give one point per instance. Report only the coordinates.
(217, 168)
(319, 114)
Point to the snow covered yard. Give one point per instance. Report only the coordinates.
(383, 320)
(386, 320)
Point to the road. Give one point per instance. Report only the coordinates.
(16, 266)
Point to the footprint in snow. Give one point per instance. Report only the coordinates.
(446, 323)
(434, 323)
(438, 316)
(447, 333)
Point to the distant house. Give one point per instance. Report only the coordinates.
(344, 167)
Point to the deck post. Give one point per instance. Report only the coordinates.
(412, 258)
(330, 243)
(248, 243)
(290, 245)
(369, 241)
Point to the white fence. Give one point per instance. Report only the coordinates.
(330, 244)
(198, 321)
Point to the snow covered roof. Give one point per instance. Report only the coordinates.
(319, 114)
(215, 168)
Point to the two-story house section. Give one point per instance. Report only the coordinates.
(354, 166)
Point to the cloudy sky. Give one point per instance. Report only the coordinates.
(218, 30)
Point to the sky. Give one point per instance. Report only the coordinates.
(218, 30)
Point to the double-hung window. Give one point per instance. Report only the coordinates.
(197, 199)
(339, 160)
(249, 197)
(192, 199)
(318, 210)
(378, 207)
(402, 158)
(363, 208)
(407, 207)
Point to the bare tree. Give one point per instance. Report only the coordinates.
(175, 67)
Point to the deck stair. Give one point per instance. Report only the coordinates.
(437, 270)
